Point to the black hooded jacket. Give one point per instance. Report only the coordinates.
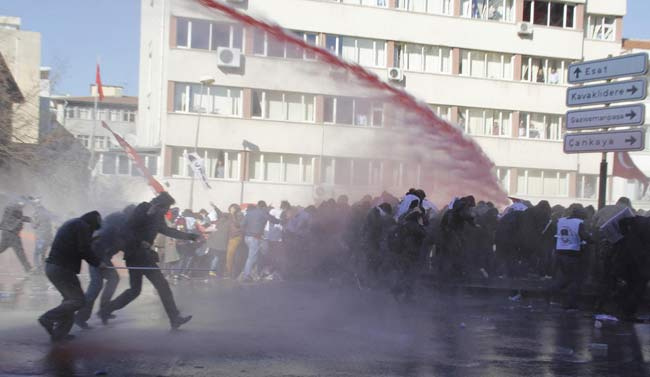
(72, 243)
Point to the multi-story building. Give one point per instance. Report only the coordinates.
(495, 68)
(22, 54)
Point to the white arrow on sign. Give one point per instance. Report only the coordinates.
(620, 91)
(611, 68)
(629, 115)
(613, 141)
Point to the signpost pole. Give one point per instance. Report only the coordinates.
(602, 188)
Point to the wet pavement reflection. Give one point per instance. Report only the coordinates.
(319, 329)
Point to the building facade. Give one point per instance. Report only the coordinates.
(502, 63)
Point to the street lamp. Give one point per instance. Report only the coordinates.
(205, 81)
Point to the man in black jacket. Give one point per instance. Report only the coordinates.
(142, 227)
(72, 243)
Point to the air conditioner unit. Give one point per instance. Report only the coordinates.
(525, 28)
(228, 57)
(395, 74)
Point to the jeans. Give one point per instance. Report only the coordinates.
(254, 245)
(97, 278)
(67, 283)
(135, 280)
(12, 240)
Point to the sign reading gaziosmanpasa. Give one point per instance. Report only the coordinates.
(620, 91)
(611, 141)
(628, 115)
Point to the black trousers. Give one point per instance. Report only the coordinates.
(135, 280)
(569, 275)
(67, 283)
(97, 277)
(12, 240)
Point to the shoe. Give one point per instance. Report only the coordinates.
(47, 324)
(83, 325)
(179, 321)
(104, 317)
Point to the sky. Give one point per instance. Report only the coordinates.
(75, 32)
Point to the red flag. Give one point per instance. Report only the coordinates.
(98, 81)
(137, 160)
(624, 167)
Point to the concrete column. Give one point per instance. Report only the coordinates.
(516, 116)
(580, 16)
(321, 39)
(247, 95)
(249, 39)
(455, 61)
(573, 184)
(170, 96)
(317, 172)
(243, 169)
(453, 119)
(619, 29)
(320, 109)
(392, 3)
(456, 8)
(513, 182)
(172, 32)
(519, 10)
(516, 72)
(167, 161)
(390, 55)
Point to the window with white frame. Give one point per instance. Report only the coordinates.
(587, 186)
(600, 27)
(401, 174)
(503, 175)
(422, 58)
(365, 52)
(274, 105)
(542, 182)
(540, 126)
(491, 65)
(549, 13)
(426, 6)
(353, 111)
(210, 99)
(442, 111)
(496, 10)
(544, 70)
(218, 164)
(265, 45)
(84, 140)
(206, 35)
(101, 142)
(485, 121)
(282, 168)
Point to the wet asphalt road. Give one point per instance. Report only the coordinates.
(318, 329)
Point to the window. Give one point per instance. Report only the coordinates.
(109, 163)
(426, 6)
(485, 121)
(548, 13)
(542, 182)
(540, 126)
(370, 3)
(366, 52)
(100, 142)
(274, 167)
(84, 140)
(211, 99)
(219, 164)
(420, 58)
(268, 46)
(600, 27)
(486, 64)
(443, 112)
(295, 107)
(205, 35)
(123, 165)
(503, 175)
(497, 10)
(543, 70)
(587, 186)
(353, 111)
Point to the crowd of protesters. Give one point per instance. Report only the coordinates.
(388, 243)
